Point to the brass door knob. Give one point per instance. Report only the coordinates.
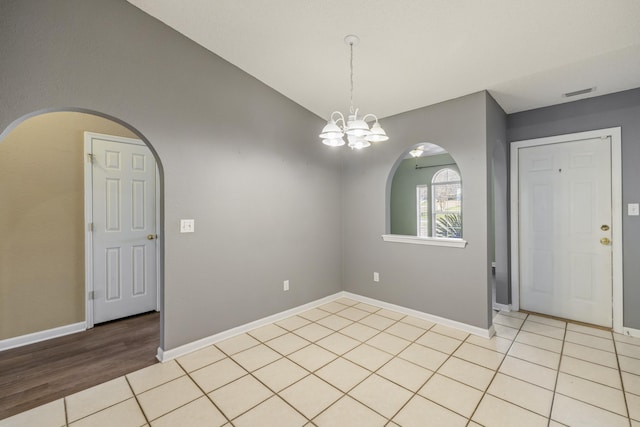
(151, 236)
(605, 241)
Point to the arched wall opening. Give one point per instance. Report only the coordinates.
(410, 203)
(42, 261)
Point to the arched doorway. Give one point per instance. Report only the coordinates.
(43, 227)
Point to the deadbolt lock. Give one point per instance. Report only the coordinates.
(604, 227)
(605, 241)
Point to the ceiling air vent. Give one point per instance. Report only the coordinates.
(579, 92)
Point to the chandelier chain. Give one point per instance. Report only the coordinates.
(351, 78)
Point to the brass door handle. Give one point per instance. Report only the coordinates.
(605, 241)
(151, 236)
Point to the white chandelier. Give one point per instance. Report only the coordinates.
(417, 152)
(357, 130)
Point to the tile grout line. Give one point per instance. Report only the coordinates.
(248, 373)
(448, 357)
(562, 354)
(346, 394)
(434, 372)
(592, 405)
(590, 346)
(592, 381)
(275, 394)
(310, 373)
(624, 392)
(588, 379)
(230, 356)
(144, 414)
(371, 373)
(66, 415)
(590, 361)
(557, 374)
(414, 393)
(389, 419)
(102, 409)
(393, 357)
(261, 342)
(575, 376)
(188, 374)
(484, 393)
(555, 385)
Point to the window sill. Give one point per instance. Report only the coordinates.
(430, 241)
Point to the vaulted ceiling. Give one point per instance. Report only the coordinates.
(413, 53)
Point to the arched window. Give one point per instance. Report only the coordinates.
(446, 204)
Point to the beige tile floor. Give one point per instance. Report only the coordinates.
(351, 364)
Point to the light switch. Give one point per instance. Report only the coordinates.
(187, 225)
(633, 209)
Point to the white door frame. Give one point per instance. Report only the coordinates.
(88, 220)
(616, 212)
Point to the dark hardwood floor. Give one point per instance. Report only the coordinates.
(39, 373)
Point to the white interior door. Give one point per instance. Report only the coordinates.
(124, 228)
(564, 212)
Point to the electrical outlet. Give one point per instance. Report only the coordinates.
(376, 276)
(286, 285)
(633, 209)
(187, 225)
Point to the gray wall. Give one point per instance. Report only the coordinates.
(239, 158)
(619, 109)
(498, 152)
(425, 278)
(403, 209)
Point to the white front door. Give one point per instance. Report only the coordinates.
(565, 227)
(124, 228)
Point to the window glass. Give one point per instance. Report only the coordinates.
(422, 194)
(446, 218)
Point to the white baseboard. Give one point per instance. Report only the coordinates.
(631, 332)
(502, 307)
(484, 333)
(42, 336)
(165, 356)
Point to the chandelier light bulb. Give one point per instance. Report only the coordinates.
(357, 127)
(333, 142)
(358, 143)
(331, 131)
(377, 134)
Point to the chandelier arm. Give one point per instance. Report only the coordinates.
(340, 119)
(370, 115)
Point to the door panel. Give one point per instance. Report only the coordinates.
(124, 192)
(564, 198)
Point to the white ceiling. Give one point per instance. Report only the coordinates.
(414, 53)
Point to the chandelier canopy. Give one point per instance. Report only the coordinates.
(358, 133)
